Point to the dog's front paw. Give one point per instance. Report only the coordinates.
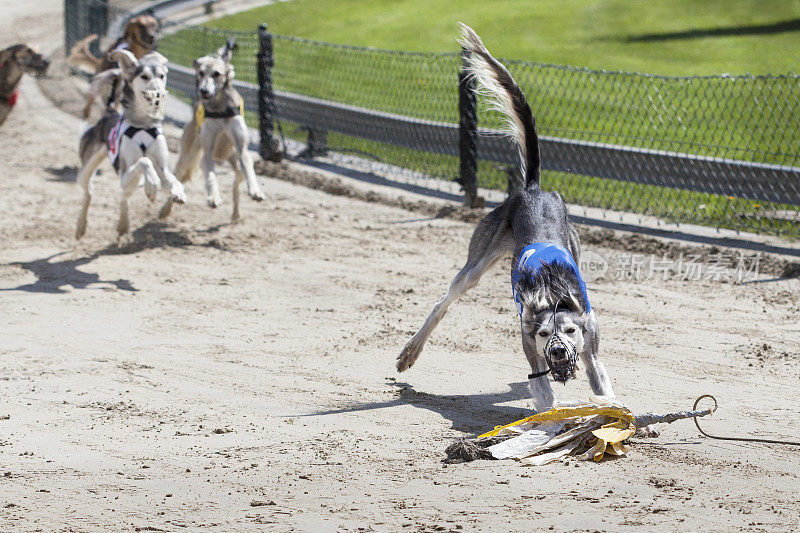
(408, 356)
(214, 201)
(258, 195)
(647, 432)
(124, 240)
(178, 194)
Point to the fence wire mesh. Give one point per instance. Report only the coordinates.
(731, 118)
(715, 150)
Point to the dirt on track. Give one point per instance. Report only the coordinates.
(241, 376)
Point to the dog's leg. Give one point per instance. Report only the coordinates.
(208, 137)
(188, 161)
(253, 188)
(129, 181)
(87, 109)
(85, 175)
(190, 153)
(165, 210)
(237, 169)
(159, 155)
(540, 389)
(240, 140)
(574, 243)
(595, 369)
(489, 242)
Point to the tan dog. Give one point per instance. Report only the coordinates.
(139, 39)
(217, 132)
(14, 62)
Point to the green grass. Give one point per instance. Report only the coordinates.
(586, 33)
(748, 118)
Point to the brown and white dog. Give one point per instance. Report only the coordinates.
(139, 39)
(14, 62)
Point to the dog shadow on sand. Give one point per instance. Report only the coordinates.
(470, 413)
(59, 276)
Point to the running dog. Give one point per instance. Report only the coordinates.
(134, 140)
(139, 39)
(14, 62)
(217, 132)
(558, 324)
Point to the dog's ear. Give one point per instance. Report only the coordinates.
(226, 52)
(130, 27)
(12, 51)
(6, 54)
(23, 53)
(126, 61)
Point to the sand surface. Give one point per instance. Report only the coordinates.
(211, 375)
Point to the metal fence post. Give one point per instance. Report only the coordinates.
(467, 135)
(98, 23)
(71, 21)
(266, 97)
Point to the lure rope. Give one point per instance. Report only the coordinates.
(738, 439)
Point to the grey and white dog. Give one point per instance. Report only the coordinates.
(556, 320)
(134, 140)
(217, 132)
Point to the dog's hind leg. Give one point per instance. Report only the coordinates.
(208, 138)
(85, 175)
(491, 239)
(595, 369)
(574, 243)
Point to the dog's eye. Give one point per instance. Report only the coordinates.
(543, 333)
(145, 77)
(217, 74)
(569, 331)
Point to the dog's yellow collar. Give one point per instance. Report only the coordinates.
(200, 114)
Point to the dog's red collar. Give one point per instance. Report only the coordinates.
(12, 98)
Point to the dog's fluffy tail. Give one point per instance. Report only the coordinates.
(496, 82)
(80, 55)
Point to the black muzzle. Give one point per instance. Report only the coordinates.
(561, 357)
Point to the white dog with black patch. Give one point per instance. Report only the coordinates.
(134, 140)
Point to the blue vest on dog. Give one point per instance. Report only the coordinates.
(531, 260)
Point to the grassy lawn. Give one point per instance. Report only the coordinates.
(747, 118)
(676, 37)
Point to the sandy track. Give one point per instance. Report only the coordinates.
(230, 376)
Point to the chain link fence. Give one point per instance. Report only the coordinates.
(714, 150)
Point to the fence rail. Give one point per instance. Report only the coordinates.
(728, 177)
(716, 150)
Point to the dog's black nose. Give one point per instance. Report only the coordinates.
(204, 93)
(558, 353)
